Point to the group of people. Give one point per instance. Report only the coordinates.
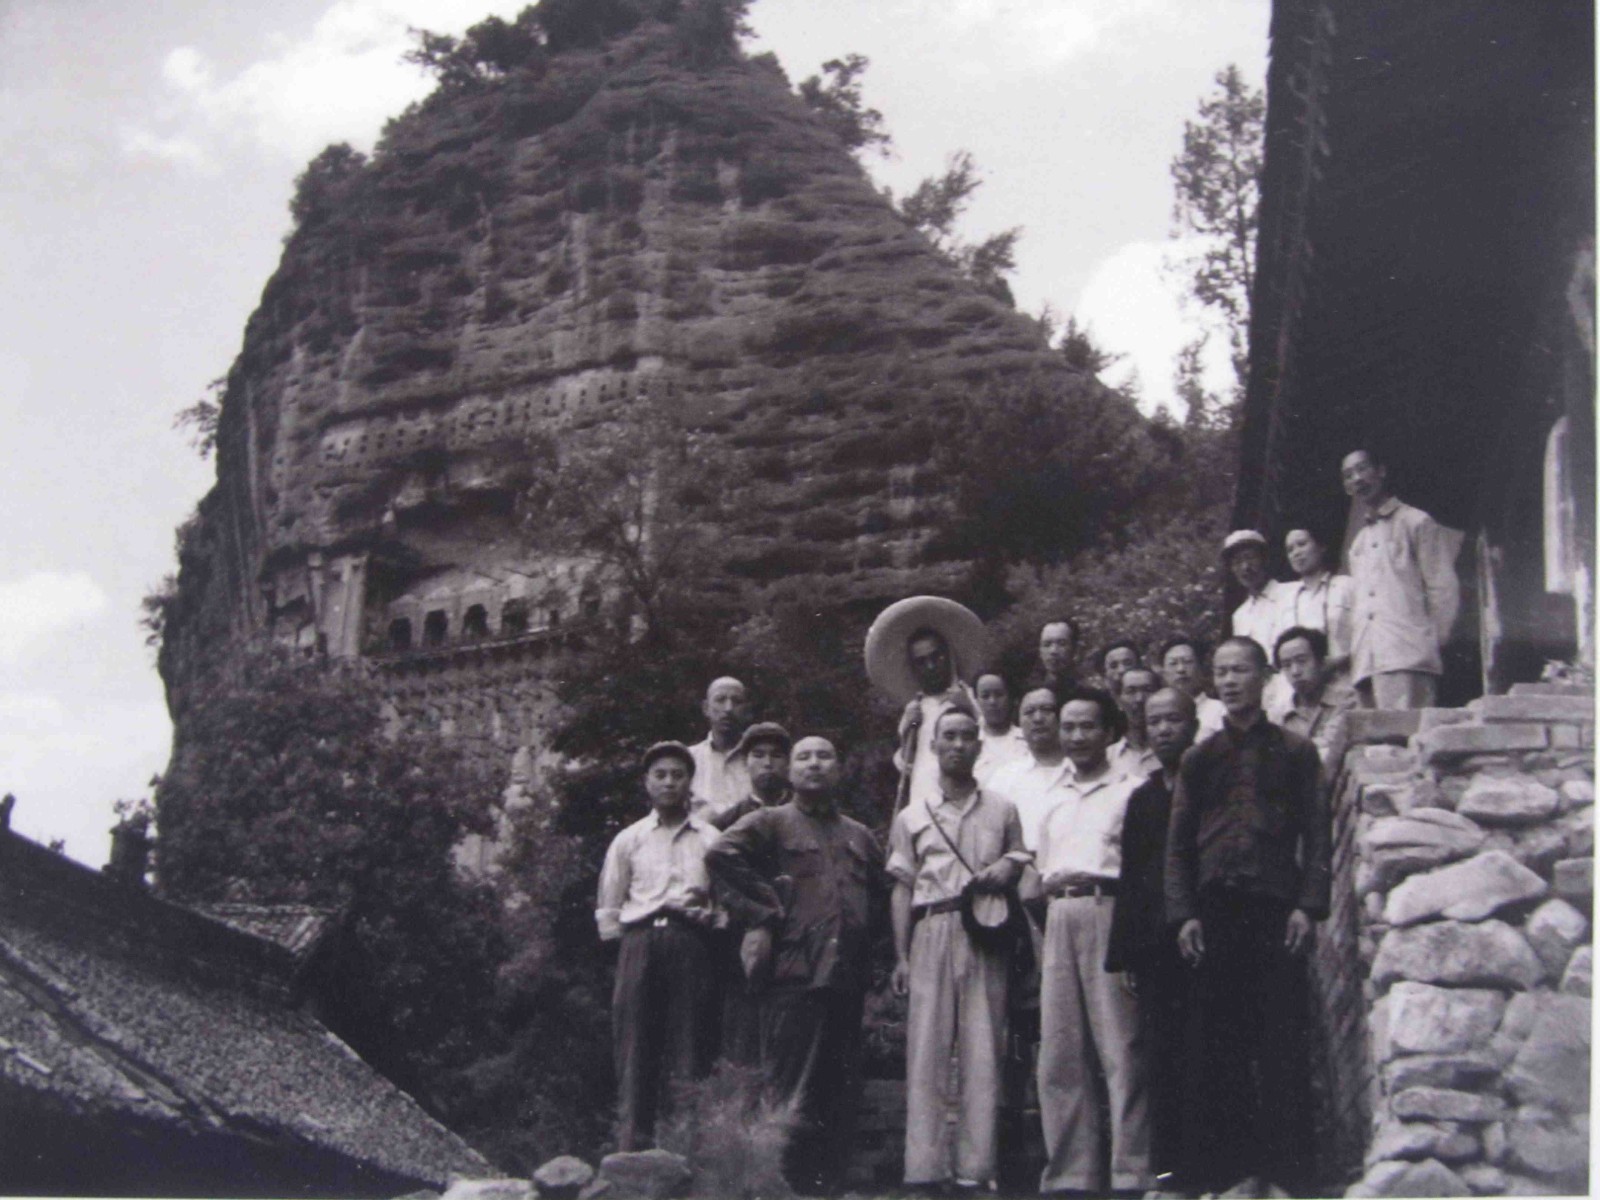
(1101, 897)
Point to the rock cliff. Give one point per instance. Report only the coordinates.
(611, 232)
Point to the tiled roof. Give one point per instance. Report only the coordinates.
(298, 928)
(118, 1007)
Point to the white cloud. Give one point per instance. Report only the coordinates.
(41, 605)
(339, 81)
(179, 150)
(1132, 306)
(1029, 34)
(67, 768)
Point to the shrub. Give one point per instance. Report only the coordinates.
(733, 1132)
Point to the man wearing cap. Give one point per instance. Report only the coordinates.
(1248, 872)
(807, 884)
(764, 749)
(655, 899)
(721, 779)
(1000, 741)
(1087, 1016)
(1131, 754)
(920, 648)
(1244, 554)
(937, 848)
(1406, 592)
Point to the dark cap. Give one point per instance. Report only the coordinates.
(765, 731)
(668, 750)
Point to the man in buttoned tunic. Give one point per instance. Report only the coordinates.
(957, 988)
(1407, 595)
(764, 747)
(1088, 1015)
(1248, 872)
(655, 899)
(721, 778)
(807, 884)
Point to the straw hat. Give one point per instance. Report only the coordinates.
(887, 664)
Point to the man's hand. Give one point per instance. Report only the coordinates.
(755, 953)
(1192, 942)
(1297, 936)
(998, 875)
(912, 717)
(900, 981)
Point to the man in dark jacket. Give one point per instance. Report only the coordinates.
(808, 884)
(1248, 871)
(1142, 943)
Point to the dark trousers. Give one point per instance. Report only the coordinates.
(741, 1008)
(658, 1022)
(811, 1048)
(1248, 1092)
(1163, 984)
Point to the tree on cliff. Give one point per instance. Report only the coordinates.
(835, 96)
(1217, 193)
(934, 206)
(286, 786)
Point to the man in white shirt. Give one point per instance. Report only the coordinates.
(1182, 667)
(1088, 1015)
(1027, 781)
(1130, 754)
(1000, 741)
(1260, 617)
(655, 899)
(721, 778)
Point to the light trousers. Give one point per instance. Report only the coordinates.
(1399, 689)
(958, 1003)
(1088, 1017)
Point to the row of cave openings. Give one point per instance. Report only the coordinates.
(516, 619)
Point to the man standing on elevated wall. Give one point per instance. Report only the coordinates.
(720, 777)
(655, 899)
(1248, 871)
(1406, 592)
(938, 848)
(807, 883)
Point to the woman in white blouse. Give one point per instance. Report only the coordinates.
(1318, 599)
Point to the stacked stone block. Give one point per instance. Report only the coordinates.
(1467, 842)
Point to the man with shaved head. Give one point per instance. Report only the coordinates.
(807, 883)
(1248, 872)
(1142, 943)
(721, 778)
(962, 838)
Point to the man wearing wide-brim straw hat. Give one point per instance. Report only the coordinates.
(918, 651)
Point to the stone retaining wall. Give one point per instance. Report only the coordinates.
(1454, 973)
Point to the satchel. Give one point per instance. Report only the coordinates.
(995, 921)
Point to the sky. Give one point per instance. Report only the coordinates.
(150, 151)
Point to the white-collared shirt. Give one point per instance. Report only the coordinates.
(1323, 602)
(650, 866)
(721, 778)
(1136, 762)
(1027, 783)
(1082, 832)
(996, 750)
(1261, 615)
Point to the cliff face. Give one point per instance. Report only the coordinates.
(551, 256)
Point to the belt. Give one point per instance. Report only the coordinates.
(664, 920)
(936, 906)
(1103, 887)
